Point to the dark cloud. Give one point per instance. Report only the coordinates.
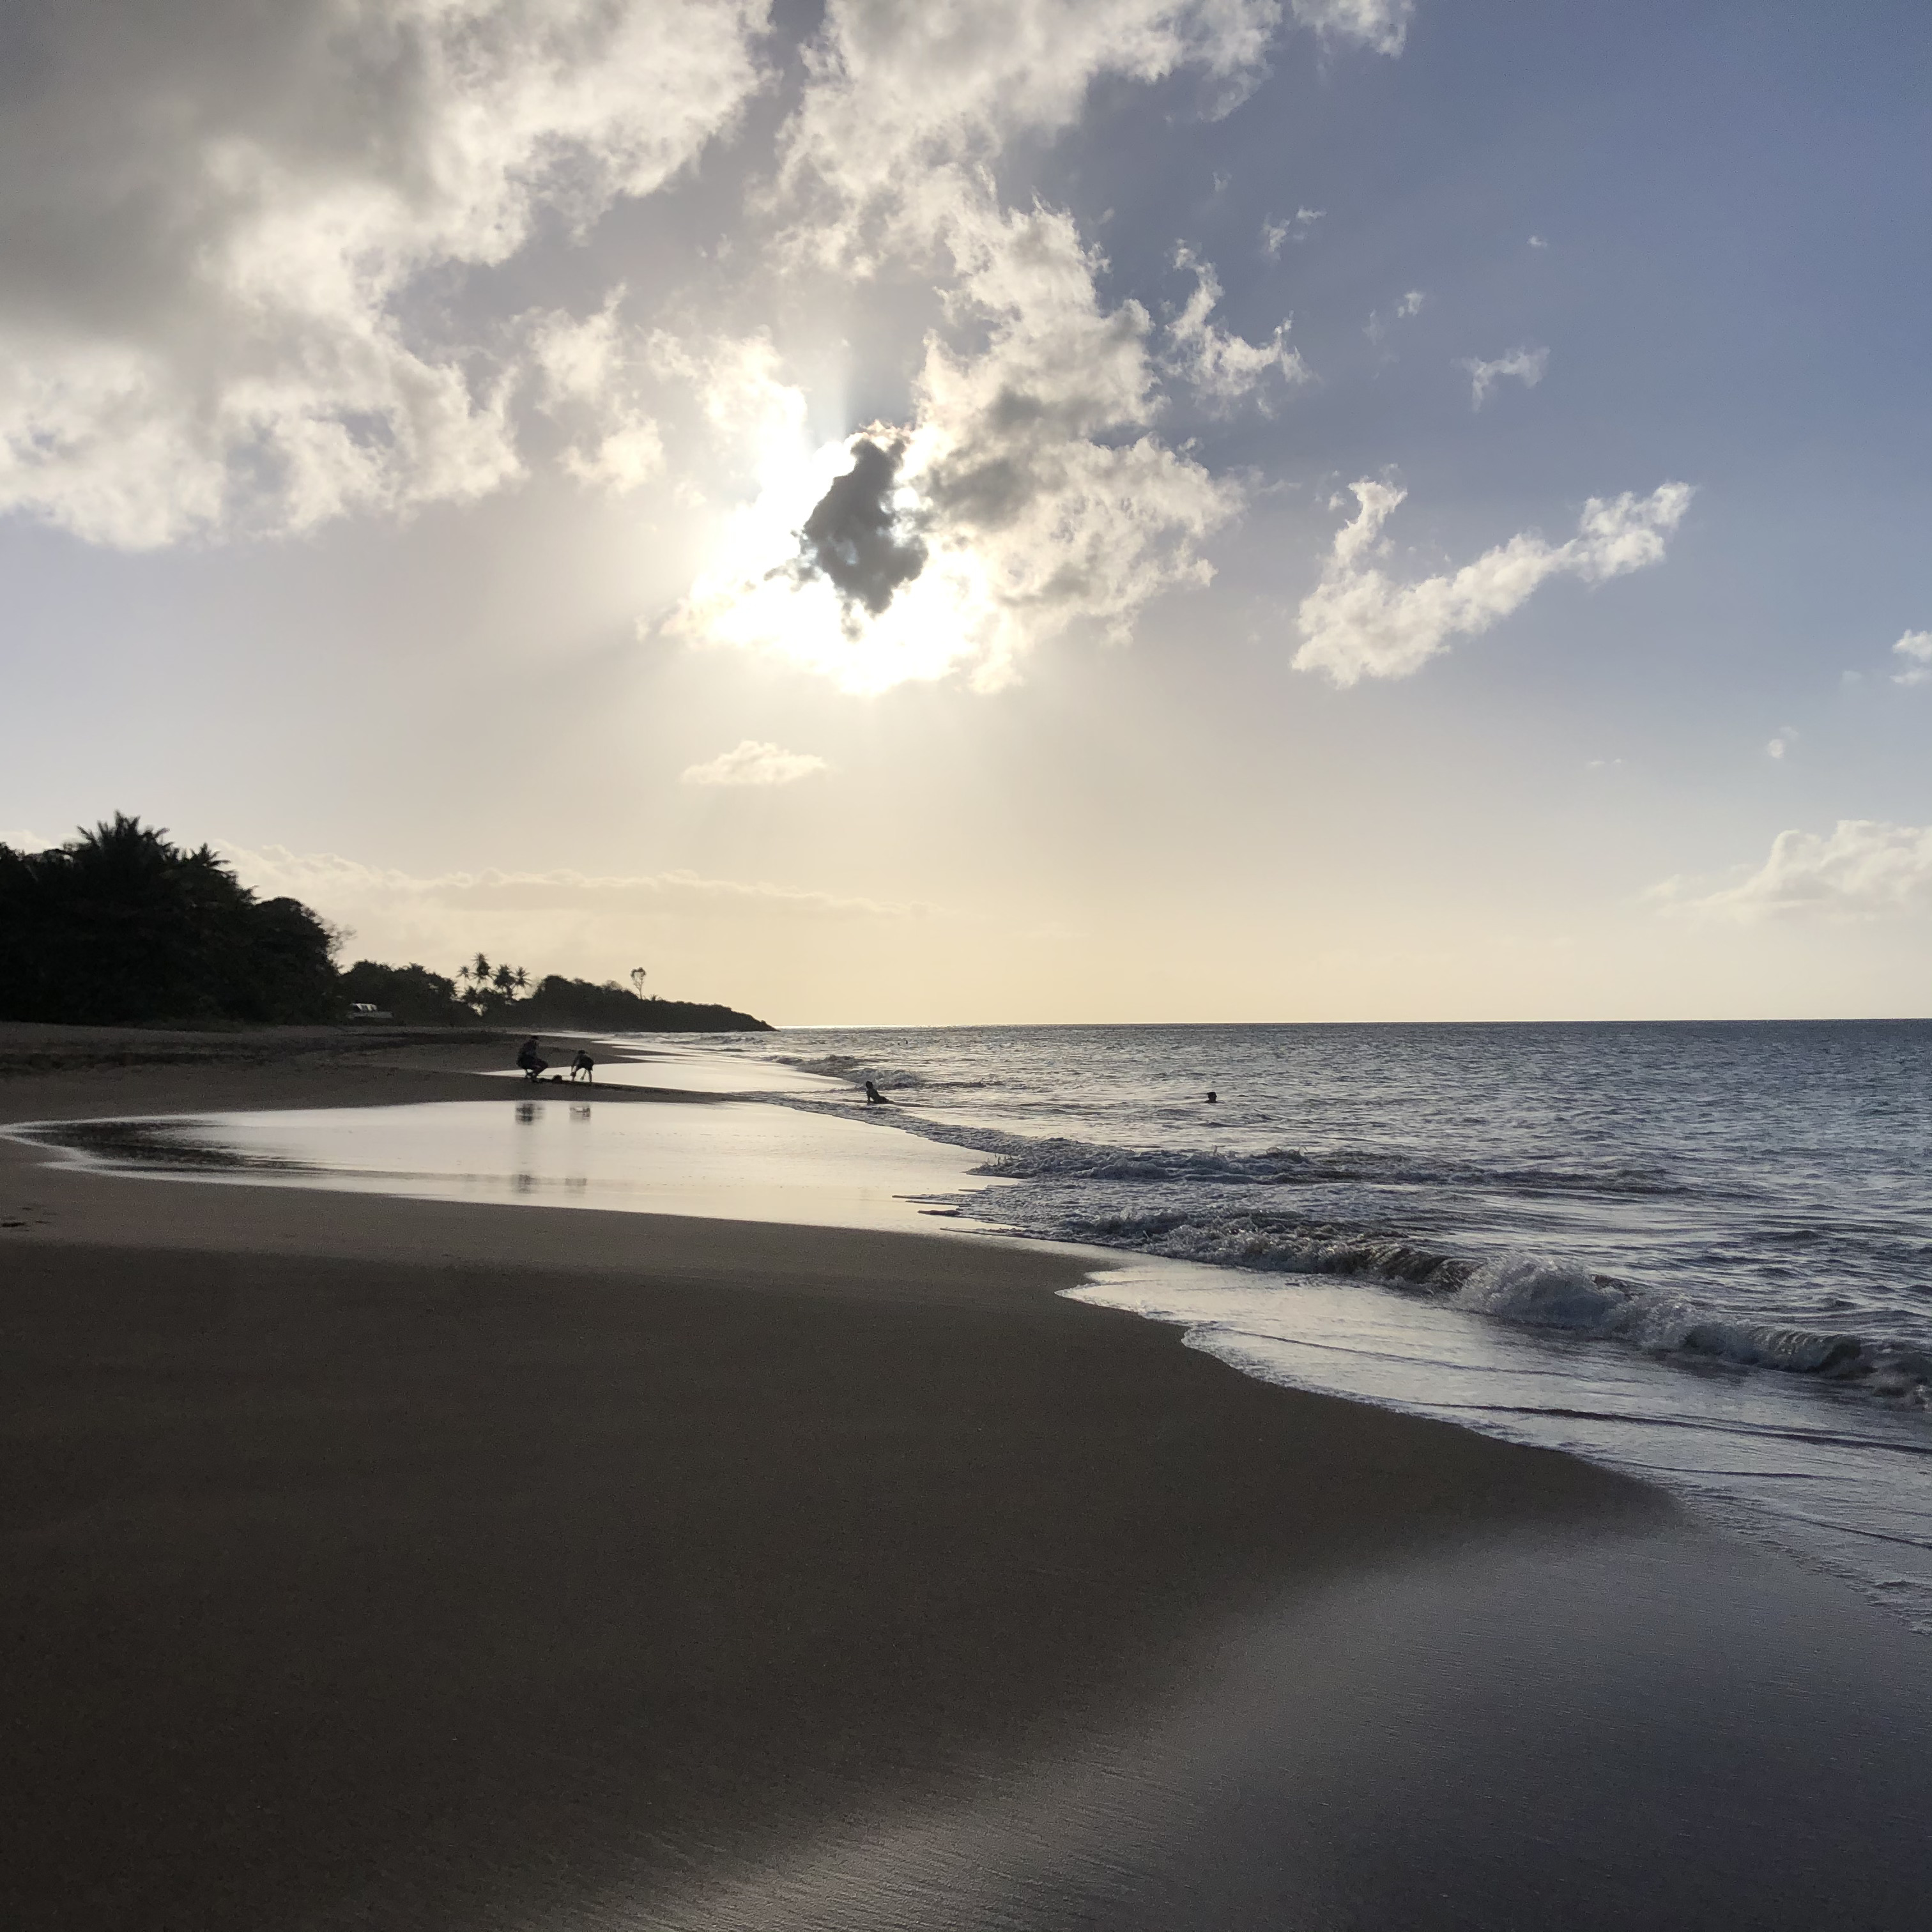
(855, 538)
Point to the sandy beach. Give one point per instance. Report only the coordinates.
(387, 1563)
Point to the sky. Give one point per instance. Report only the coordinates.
(1035, 511)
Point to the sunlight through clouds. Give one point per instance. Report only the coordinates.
(1030, 510)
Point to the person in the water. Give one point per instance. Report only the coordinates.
(1212, 1096)
(874, 1098)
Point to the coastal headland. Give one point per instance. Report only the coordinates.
(386, 1563)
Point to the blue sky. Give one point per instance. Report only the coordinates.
(415, 412)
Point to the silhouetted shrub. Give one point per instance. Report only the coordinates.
(413, 994)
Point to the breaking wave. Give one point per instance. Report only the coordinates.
(1188, 1204)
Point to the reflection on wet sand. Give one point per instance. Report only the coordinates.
(730, 1160)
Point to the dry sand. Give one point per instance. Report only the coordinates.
(379, 1563)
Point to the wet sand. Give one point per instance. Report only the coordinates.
(380, 1563)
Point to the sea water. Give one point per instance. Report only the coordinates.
(1699, 1252)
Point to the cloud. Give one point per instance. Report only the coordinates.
(1915, 648)
(903, 104)
(1863, 868)
(1526, 365)
(1296, 228)
(327, 880)
(1356, 623)
(1027, 472)
(561, 920)
(589, 379)
(1787, 736)
(1381, 25)
(1412, 304)
(1223, 368)
(857, 538)
(752, 764)
(220, 224)
(1537, 241)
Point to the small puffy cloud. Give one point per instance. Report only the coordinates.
(1787, 736)
(1526, 365)
(220, 222)
(1222, 368)
(1406, 306)
(1537, 241)
(856, 537)
(1358, 622)
(1915, 648)
(1381, 25)
(1297, 227)
(752, 764)
(1863, 868)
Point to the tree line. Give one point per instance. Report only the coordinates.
(120, 927)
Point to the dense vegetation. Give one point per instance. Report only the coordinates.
(119, 927)
(506, 996)
(610, 1008)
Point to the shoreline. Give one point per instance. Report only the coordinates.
(396, 1563)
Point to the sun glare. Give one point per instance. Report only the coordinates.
(758, 593)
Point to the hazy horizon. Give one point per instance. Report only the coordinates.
(1075, 511)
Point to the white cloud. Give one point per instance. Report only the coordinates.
(1406, 306)
(1297, 227)
(327, 880)
(232, 336)
(1537, 241)
(553, 921)
(1023, 482)
(1787, 736)
(1223, 368)
(1863, 868)
(904, 104)
(1526, 365)
(589, 378)
(1382, 24)
(1915, 648)
(753, 764)
(1357, 623)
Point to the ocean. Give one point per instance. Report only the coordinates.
(1700, 1252)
